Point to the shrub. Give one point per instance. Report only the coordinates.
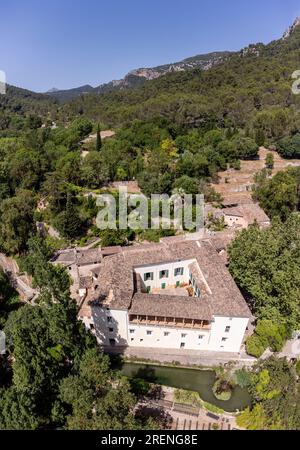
(222, 390)
(255, 347)
(298, 368)
(242, 378)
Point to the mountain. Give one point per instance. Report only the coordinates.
(291, 29)
(232, 88)
(68, 94)
(138, 77)
(18, 101)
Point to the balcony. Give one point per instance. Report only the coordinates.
(170, 322)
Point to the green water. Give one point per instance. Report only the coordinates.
(200, 381)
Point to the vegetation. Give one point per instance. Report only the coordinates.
(54, 374)
(279, 196)
(266, 266)
(275, 391)
(267, 335)
(187, 397)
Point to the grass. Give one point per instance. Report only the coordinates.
(193, 398)
(187, 397)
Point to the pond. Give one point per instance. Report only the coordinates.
(200, 381)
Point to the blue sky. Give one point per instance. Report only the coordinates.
(67, 43)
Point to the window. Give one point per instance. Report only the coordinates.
(178, 271)
(166, 333)
(132, 339)
(131, 331)
(224, 339)
(227, 329)
(163, 285)
(201, 336)
(141, 340)
(148, 276)
(183, 336)
(111, 330)
(109, 319)
(112, 342)
(149, 333)
(182, 345)
(163, 274)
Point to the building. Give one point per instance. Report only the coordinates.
(239, 216)
(177, 294)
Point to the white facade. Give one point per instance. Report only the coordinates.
(112, 328)
(175, 273)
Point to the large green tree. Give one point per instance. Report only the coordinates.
(266, 265)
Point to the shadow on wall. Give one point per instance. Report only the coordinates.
(107, 329)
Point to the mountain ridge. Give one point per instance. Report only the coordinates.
(139, 76)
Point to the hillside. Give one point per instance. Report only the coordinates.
(256, 78)
(139, 77)
(18, 104)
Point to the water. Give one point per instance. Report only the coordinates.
(200, 381)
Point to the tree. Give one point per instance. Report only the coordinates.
(260, 137)
(98, 140)
(16, 224)
(280, 195)
(68, 221)
(99, 398)
(266, 266)
(270, 161)
(246, 148)
(95, 170)
(289, 147)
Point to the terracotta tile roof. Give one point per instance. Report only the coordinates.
(222, 296)
(170, 306)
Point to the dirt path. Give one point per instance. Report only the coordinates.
(20, 283)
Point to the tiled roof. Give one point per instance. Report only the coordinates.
(170, 306)
(222, 296)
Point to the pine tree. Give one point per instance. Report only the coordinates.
(99, 140)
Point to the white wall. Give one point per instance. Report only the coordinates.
(235, 221)
(211, 341)
(157, 339)
(171, 280)
(234, 338)
(118, 323)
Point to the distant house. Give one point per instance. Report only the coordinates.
(240, 216)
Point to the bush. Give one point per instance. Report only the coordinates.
(255, 347)
(242, 378)
(222, 390)
(267, 334)
(298, 368)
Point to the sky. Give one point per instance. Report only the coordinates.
(69, 43)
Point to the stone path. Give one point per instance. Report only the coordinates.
(183, 356)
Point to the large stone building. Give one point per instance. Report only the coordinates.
(177, 294)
